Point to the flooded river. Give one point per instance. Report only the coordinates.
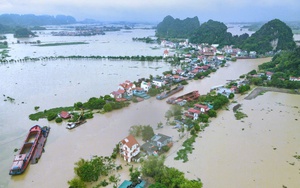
(62, 83)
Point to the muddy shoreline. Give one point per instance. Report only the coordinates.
(259, 90)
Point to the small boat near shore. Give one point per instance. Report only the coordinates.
(73, 125)
(169, 93)
(22, 160)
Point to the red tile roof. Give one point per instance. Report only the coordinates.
(129, 141)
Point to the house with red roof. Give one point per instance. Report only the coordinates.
(128, 87)
(129, 148)
(192, 113)
(64, 115)
(117, 94)
(202, 108)
(166, 53)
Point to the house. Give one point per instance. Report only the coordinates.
(129, 148)
(158, 141)
(224, 91)
(295, 79)
(145, 86)
(64, 115)
(158, 82)
(269, 75)
(166, 53)
(128, 87)
(117, 94)
(202, 108)
(193, 113)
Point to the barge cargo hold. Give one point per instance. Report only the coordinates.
(22, 160)
(169, 93)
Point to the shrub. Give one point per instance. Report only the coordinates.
(107, 107)
(58, 120)
(51, 116)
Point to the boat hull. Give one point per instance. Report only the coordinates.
(23, 158)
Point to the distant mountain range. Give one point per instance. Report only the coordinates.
(35, 20)
(272, 36)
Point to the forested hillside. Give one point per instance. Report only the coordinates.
(284, 65)
(176, 28)
(272, 36)
(212, 32)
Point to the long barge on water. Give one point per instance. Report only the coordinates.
(169, 93)
(31, 150)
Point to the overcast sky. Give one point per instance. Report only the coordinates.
(156, 10)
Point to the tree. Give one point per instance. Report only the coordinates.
(76, 183)
(115, 180)
(135, 175)
(107, 107)
(231, 96)
(153, 166)
(157, 185)
(51, 116)
(89, 170)
(212, 113)
(147, 133)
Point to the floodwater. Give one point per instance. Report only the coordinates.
(256, 151)
(63, 82)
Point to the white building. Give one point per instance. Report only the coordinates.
(129, 148)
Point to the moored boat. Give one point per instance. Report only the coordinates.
(22, 160)
(169, 93)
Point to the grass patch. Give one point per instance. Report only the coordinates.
(46, 113)
(188, 148)
(297, 157)
(62, 44)
(240, 115)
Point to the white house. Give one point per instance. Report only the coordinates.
(129, 148)
(145, 86)
(158, 82)
(295, 79)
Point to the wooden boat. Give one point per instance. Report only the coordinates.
(169, 93)
(22, 160)
(186, 97)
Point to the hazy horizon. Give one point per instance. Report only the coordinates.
(154, 11)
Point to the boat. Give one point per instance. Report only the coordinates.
(73, 125)
(22, 160)
(169, 93)
(186, 97)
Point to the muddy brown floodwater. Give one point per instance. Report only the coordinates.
(254, 152)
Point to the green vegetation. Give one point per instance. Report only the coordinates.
(3, 45)
(165, 176)
(297, 157)
(62, 44)
(188, 148)
(50, 113)
(145, 131)
(23, 33)
(272, 36)
(91, 170)
(146, 40)
(212, 32)
(106, 103)
(284, 65)
(239, 115)
(176, 28)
